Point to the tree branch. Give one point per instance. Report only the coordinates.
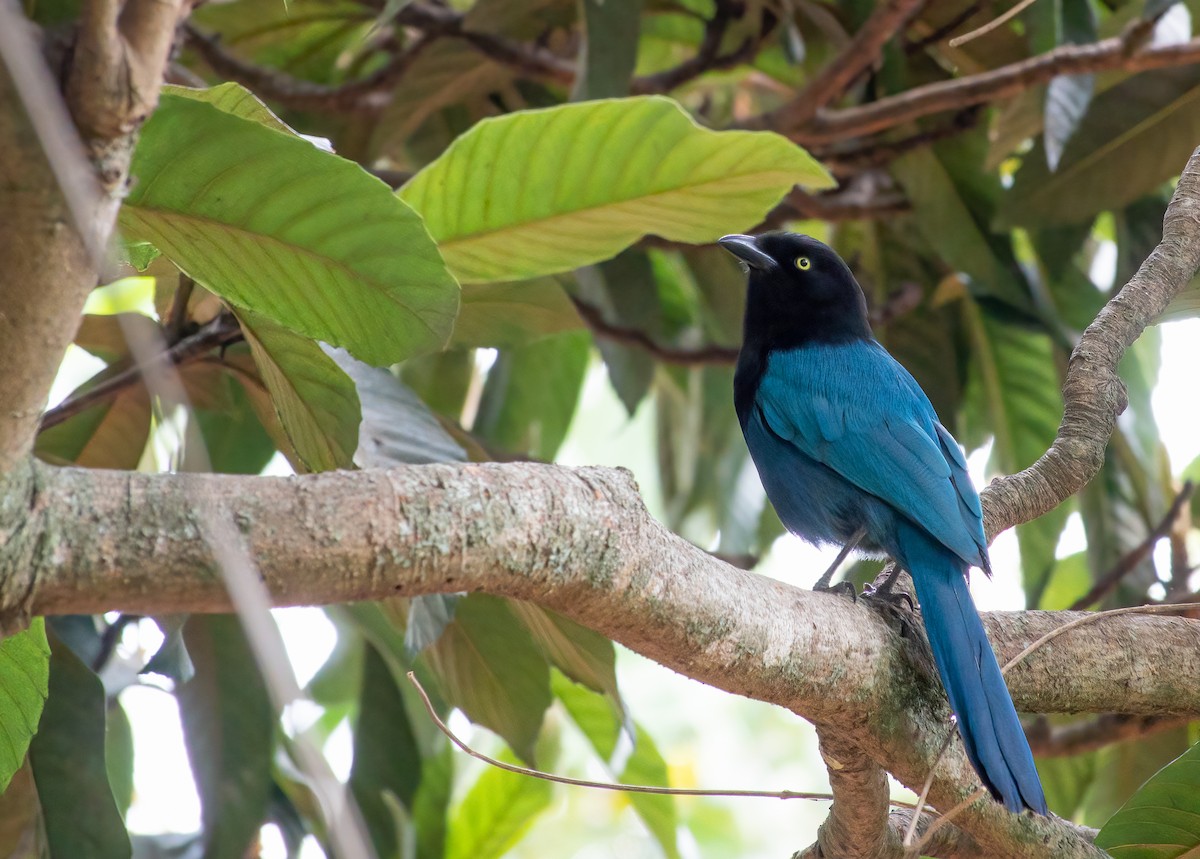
(832, 81)
(1093, 394)
(857, 826)
(957, 93)
(300, 94)
(1088, 735)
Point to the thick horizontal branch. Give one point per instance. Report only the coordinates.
(1088, 735)
(578, 541)
(957, 93)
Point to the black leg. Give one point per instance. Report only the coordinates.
(826, 577)
(884, 592)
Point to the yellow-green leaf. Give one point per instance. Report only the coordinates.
(543, 191)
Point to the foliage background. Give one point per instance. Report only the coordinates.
(976, 233)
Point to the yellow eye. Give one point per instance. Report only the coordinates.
(803, 263)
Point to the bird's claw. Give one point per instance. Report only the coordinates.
(842, 587)
(886, 595)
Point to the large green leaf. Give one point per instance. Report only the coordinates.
(1135, 137)
(531, 392)
(486, 664)
(316, 402)
(495, 813)
(234, 99)
(68, 759)
(574, 184)
(273, 224)
(1161, 820)
(24, 673)
(228, 728)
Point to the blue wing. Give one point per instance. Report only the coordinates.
(853, 408)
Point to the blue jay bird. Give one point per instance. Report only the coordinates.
(850, 452)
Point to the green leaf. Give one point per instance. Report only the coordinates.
(228, 725)
(68, 761)
(574, 184)
(387, 763)
(1161, 820)
(428, 617)
(234, 438)
(585, 656)
(236, 100)
(1135, 137)
(949, 226)
(513, 313)
(249, 213)
(118, 755)
(316, 402)
(495, 813)
(531, 392)
(486, 664)
(429, 815)
(609, 49)
(1013, 395)
(396, 426)
(24, 672)
(1125, 766)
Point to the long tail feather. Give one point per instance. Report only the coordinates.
(987, 720)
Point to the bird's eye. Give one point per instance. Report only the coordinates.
(803, 263)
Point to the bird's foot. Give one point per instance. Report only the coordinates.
(823, 584)
(891, 602)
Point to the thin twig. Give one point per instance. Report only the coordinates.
(924, 795)
(177, 318)
(221, 331)
(943, 820)
(1129, 562)
(945, 29)
(601, 785)
(1000, 20)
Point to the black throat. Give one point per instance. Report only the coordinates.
(774, 325)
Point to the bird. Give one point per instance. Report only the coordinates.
(851, 452)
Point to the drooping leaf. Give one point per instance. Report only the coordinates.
(396, 426)
(1161, 820)
(387, 763)
(1134, 138)
(609, 49)
(227, 727)
(514, 313)
(24, 669)
(585, 656)
(531, 392)
(428, 617)
(247, 212)
(951, 229)
(172, 659)
(495, 813)
(235, 440)
(317, 404)
(68, 761)
(487, 665)
(574, 184)
(20, 817)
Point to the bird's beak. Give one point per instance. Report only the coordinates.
(746, 249)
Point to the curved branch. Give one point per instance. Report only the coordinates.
(957, 93)
(1093, 394)
(857, 826)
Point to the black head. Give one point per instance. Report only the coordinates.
(800, 292)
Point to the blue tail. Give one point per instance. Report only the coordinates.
(987, 720)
